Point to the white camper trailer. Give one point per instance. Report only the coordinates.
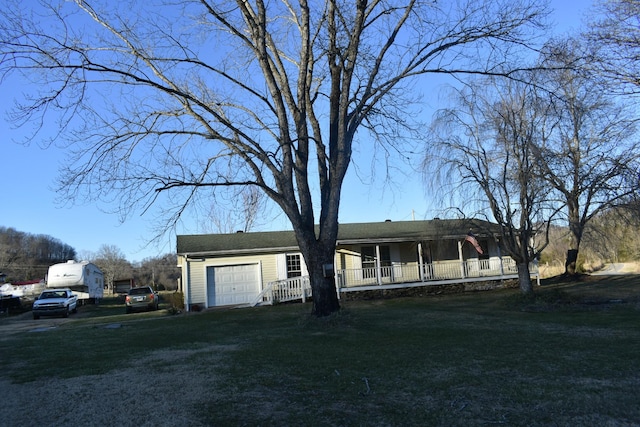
(83, 278)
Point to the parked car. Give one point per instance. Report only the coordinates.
(55, 302)
(141, 297)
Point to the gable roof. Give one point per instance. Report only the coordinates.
(368, 232)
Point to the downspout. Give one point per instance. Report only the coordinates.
(186, 280)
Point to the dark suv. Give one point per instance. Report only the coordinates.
(142, 297)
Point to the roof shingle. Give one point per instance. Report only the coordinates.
(369, 232)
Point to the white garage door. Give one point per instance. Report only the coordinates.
(232, 284)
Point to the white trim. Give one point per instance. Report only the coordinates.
(303, 265)
(206, 265)
(281, 266)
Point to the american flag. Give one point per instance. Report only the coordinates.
(472, 239)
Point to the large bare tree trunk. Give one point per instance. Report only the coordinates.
(571, 262)
(319, 254)
(576, 228)
(325, 297)
(524, 278)
(321, 276)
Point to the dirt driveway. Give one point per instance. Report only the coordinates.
(124, 397)
(26, 323)
(618, 268)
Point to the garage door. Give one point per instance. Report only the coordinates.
(232, 284)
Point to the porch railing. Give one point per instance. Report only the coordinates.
(299, 288)
(444, 270)
(372, 276)
(294, 289)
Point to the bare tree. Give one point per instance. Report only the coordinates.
(113, 263)
(486, 149)
(614, 38)
(166, 102)
(160, 272)
(590, 155)
(244, 210)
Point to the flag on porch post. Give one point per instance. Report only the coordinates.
(472, 239)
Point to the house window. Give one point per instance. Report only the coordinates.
(369, 261)
(294, 266)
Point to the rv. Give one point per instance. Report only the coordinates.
(83, 278)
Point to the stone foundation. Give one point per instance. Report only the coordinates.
(428, 290)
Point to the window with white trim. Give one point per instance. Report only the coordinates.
(294, 266)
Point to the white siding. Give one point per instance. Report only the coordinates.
(198, 284)
(195, 279)
(232, 284)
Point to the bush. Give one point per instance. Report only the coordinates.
(175, 300)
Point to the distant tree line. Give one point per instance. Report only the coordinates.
(611, 236)
(159, 272)
(25, 256)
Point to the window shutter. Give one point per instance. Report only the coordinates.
(281, 266)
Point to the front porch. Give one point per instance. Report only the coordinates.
(468, 270)
(398, 276)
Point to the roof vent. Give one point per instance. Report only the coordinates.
(239, 231)
(387, 220)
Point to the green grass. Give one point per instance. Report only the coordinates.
(569, 356)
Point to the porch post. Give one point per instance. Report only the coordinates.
(336, 280)
(421, 261)
(303, 291)
(378, 266)
(501, 265)
(462, 275)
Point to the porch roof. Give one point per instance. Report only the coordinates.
(369, 232)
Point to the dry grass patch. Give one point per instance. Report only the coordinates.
(472, 359)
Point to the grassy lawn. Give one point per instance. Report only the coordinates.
(569, 357)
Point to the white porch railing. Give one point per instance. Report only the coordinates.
(369, 276)
(442, 270)
(299, 288)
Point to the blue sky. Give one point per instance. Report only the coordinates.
(29, 201)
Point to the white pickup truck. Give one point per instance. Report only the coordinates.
(54, 302)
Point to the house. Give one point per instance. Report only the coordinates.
(258, 267)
